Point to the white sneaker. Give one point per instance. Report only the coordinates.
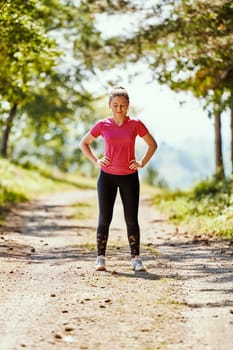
(100, 263)
(137, 264)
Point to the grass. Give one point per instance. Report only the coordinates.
(206, 209)
(18, 184)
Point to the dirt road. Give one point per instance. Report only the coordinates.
(51, 297)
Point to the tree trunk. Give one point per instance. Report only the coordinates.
(218, 143)
(7, 130)
(232, 137)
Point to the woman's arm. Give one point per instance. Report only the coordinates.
(152, 146)
(84, 145)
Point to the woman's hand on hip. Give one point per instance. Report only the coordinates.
(134, 164)
(105, 161)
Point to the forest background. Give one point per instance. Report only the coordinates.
(60, 58)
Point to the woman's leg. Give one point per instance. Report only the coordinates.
(129, 190)
(107, 191)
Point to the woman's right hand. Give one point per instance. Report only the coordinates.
(105, 161)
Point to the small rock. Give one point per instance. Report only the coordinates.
(57, 336)
(69, 329)
(108, 301)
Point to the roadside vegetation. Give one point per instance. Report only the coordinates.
(207, 208)
(18, 184)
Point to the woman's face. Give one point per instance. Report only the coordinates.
(119, 106)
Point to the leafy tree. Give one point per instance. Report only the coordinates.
(26, 53)
(188, 46)
(50, 51)
(203, 54)
(34, 41)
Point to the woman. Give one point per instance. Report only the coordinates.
(118, 169)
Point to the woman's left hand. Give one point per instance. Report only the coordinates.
(134, 164)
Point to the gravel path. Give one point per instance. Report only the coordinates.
(51, 297)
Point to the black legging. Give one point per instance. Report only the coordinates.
(129, 187)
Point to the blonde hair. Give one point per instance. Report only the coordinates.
(118, 91)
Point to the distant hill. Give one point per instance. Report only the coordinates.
(183, 166)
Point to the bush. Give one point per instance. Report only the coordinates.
(211, 187)
(207, 207)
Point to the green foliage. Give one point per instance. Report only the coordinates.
(16, 183)
(49, 48)
(187, 45)
(26, 51)
(19, 184)
(206, 208)
(212, 197)
(10, 196)
(217, 185)
(47, 93)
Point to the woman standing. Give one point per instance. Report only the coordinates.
(118, 169)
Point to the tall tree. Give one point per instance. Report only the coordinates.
(232, 131)
(26, 53)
